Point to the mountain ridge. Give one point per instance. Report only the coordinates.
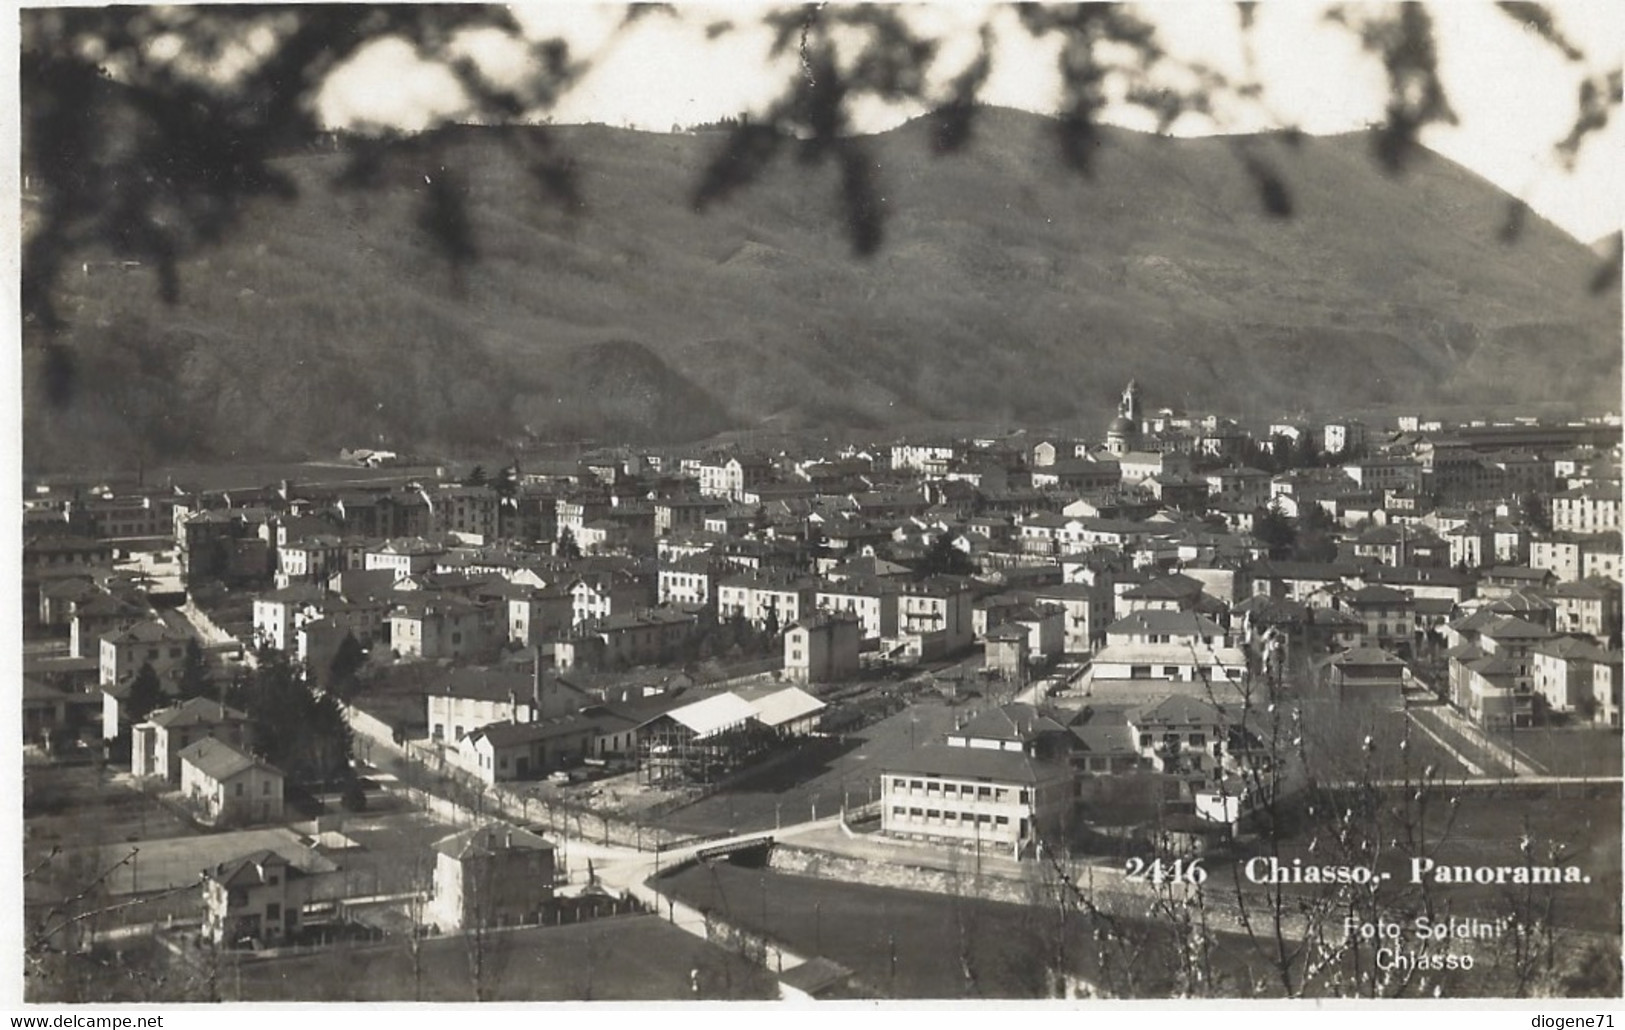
(1007, 288)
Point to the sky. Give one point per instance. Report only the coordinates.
(1514, 94)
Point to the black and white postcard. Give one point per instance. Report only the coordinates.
(818, 503)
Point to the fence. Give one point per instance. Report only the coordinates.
(458, 798)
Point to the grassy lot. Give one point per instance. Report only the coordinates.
(136, 969)
(1568, 750)
(393, 853)
(70, 806)
(901, 944)
(632, 958)
(788, 793)
(158, 865)
(910, 944)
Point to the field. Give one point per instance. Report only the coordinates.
(1567, 751)
(73, 805)
(900, 944)
(393, 853)
(629, 958)
(911, 944)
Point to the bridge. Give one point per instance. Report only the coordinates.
(734, 847)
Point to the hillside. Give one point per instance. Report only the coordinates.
(1008, 289)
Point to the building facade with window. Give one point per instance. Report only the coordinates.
(1001, 801)
(229, 787)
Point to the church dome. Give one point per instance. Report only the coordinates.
(1121, 426)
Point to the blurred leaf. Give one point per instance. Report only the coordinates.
(1607, 276)
(1538, 18)
(1273, 192)
(864, 220)
(743, 156)
(443, 217)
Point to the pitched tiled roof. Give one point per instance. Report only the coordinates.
(1017, 722)
(253, 869)
(490, 839)
(1170, 623)
(220, 761)
(975, 763)
(196, 711)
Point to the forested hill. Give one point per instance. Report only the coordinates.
(1008, 288)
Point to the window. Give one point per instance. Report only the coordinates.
(239, 788)
(1197, 739)
(1170, 671)
(265, 787)
(273, 911)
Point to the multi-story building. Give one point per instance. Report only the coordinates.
(1387, 615)
(730, 476)
(157, 743)
(538, 615)
(277, 615)
(1588, 509)
(259, 897)
(153, 642)
(1562, 670)
(490, 876)
(939, 605)
(822, 648)
(1004, 796)
(872, 601)
(1605, 689)
(1590, 607)
(766, 600)
(1347, 436)
(1161, 648)
(445, 627)
(226, 786)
